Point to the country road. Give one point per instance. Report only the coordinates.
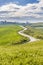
(32, 39)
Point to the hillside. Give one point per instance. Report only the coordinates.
(9, 35)
(26, 54)
(20, 52)
(40, 24)
(35, 30)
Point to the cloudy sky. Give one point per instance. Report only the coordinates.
(21, 10)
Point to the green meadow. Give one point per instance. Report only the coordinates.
(9, 35)
(35, 31)
(15, 50)
(23, 54)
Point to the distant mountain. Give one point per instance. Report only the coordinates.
(40, 24)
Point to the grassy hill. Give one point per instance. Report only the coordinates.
(40, 24)
(9, 35)
(35, 31)
(14, 52)
(26, 54)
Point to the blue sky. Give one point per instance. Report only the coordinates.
(21, 10)
(20, 2)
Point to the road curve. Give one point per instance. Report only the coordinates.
(32, 39)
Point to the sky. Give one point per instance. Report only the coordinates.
(21, 10)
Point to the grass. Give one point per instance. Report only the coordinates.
(26, 54)
(9, 35)
(20, 54)
(40, 24)
(35, 32)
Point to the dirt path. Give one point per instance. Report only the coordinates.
(32, 39)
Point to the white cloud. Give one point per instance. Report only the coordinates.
(30, 10)
(9, 7)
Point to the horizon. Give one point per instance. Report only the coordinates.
(19, 22)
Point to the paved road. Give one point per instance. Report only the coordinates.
(32, 39)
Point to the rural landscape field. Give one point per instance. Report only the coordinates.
(16, 49)
(21, 32)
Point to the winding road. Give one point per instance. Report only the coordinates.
(32, 39)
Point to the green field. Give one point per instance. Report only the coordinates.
(30, 53)
(40, 24)
(9, 35)
(36, 32)
(26, 54)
